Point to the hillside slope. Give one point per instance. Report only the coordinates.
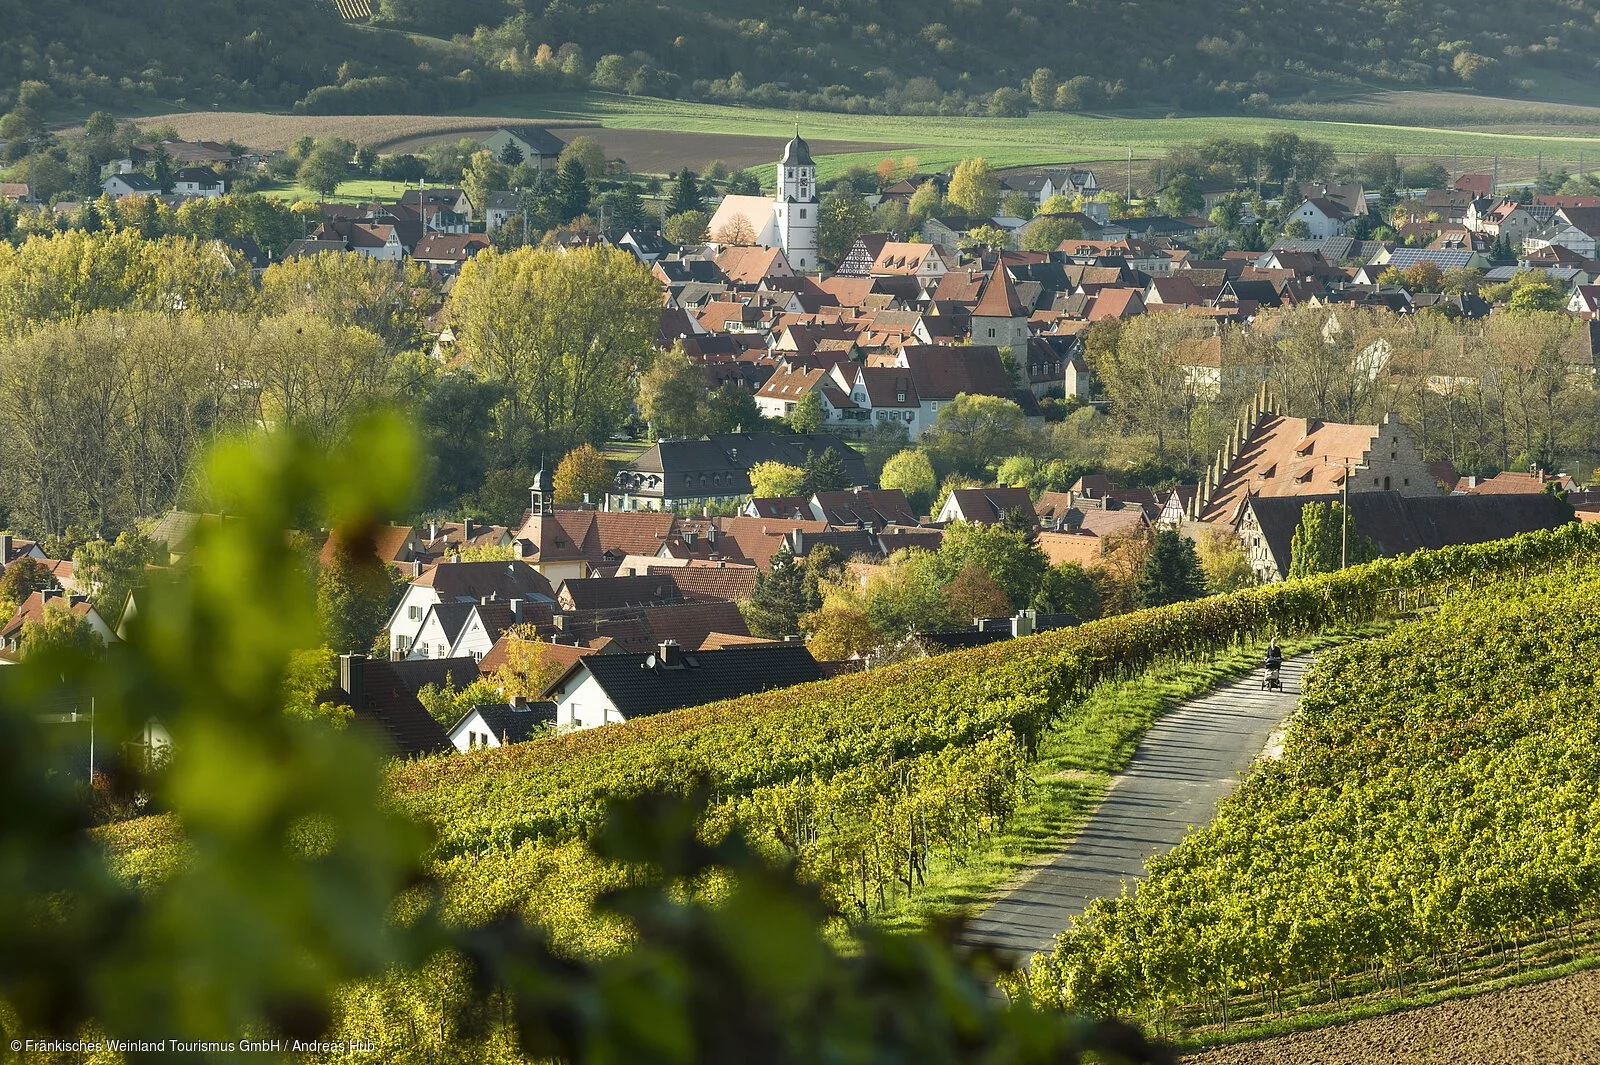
(910, 55)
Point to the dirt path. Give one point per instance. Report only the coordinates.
(1553, 1023)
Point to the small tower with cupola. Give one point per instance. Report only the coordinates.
(797, 205)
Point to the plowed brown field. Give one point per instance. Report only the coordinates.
(1553, 1023)
(645, 150)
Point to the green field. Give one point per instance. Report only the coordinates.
(1053, 137)
(362, 191)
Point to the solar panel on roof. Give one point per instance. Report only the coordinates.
(1445, 258)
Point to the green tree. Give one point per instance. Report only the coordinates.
(731, 409)
(589, 154)
(1318, 543)
(625, 212)
(912, 473)
(511, 156)
(483, 175)
(572, 188)
(988, 236)
(771, 479)
(1006, 102)
(109, 570)
(161, 169)
(61, 633)
(807, 414)
(1009, 556)
(672, 395)
(1182, 196)
(21, 579)
(685, 195)
(323, 170)
(971, 431)
(686, 227)
(1534, 293)
(1223, 559)
(1068, 589)
(925, 203)
(562, 334)
(824, 472)
(842, 217)
(1046, 234)
(1042, 88)
(582, 476)
(354, 594)
(1172, 572)
(974, 188)
(774, 608)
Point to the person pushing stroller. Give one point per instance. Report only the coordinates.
(1272, 682)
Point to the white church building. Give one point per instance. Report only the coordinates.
(788, 220)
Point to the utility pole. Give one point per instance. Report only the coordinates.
(1130, 173)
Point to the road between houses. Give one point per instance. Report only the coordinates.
(1187, 762)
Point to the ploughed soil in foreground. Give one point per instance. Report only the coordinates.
(1553, 1023)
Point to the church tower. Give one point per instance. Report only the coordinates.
(797, 205)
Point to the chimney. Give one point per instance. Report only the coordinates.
(1022, 624)
(516, 611)
(5, 548)
(669, 654)
(433, 531)
(353, 681)
(466, 530)
(688, 538)
(48, 594)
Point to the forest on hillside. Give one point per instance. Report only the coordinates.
(982, 57)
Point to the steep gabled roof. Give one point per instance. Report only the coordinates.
(387, 704)
(989, 505)
(999, 298)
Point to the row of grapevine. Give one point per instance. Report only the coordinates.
(1440, 794)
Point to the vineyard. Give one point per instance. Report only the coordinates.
(1435, 821)
(866, 782)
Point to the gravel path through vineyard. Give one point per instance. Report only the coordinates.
(1553, 1023)
(1189, 760)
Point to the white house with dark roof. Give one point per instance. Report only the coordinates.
(124, 186)
(609, 689)
(200, 182)
(490, 725)
(459, 583)
(1323, 217)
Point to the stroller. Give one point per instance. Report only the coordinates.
(1270, 681)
